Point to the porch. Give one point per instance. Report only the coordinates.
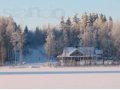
(76, 60)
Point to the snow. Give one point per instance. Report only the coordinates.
(106, 81)
(99, 52)
(46, 68)
(61, 81)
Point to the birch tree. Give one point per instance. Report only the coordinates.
(17, 41)
(50, 43)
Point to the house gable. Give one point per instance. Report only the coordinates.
(76, 53)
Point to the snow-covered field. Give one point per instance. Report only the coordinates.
(68, 81)
(81, 79)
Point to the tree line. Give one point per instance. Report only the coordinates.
(87, 30)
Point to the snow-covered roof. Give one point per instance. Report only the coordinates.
(98, 52)
(86, 51)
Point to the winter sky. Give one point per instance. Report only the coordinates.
(40, 12)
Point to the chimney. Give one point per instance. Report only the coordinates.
(76, 46)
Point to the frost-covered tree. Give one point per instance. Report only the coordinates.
(68, 23)
(11, 27)
(76, 22)
(65, 38)
(62, 23)
(17, 41)
(26, 41)
(2, 31)
(7, 27)
(50, 43)
(64, 26)
(84, 20)
(110, 23)
(115, 33)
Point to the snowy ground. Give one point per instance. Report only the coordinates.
(69, 81)
(100, 79)
(45, 68)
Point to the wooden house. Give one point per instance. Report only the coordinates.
(82, 55)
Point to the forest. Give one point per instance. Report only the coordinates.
(88, 30)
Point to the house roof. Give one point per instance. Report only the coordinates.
(86, 51)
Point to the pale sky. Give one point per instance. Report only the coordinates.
(39, 12)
